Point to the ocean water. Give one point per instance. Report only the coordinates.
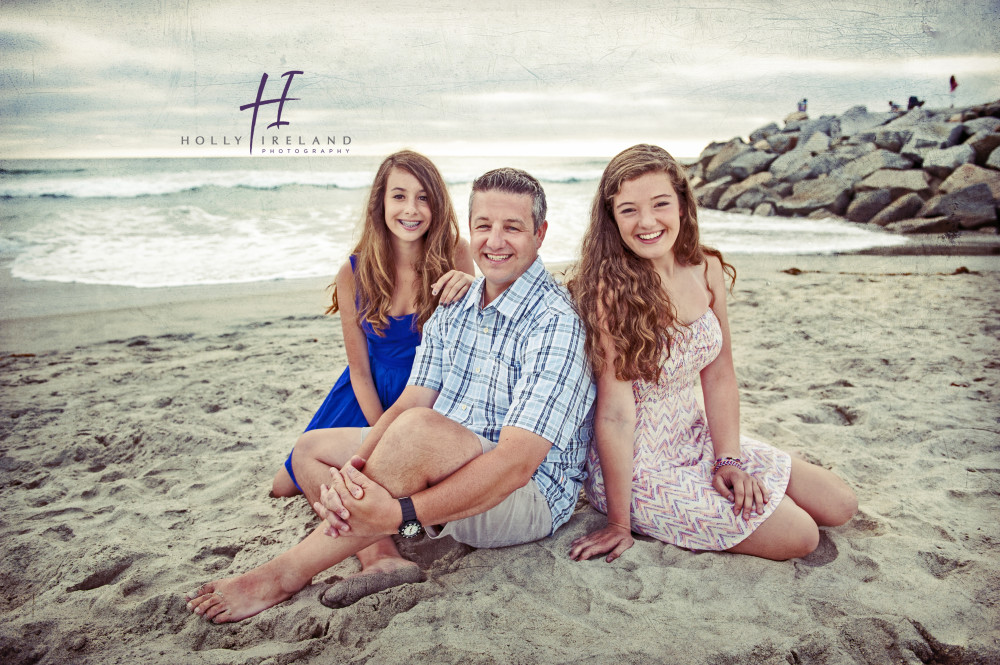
(177, 222)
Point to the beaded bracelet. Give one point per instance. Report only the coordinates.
(727, 461)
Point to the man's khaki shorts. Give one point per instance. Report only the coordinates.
(522, 517)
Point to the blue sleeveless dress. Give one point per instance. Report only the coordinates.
(390, 358)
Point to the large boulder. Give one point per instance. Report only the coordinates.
(987, 124)
(935, 225)
(864, 166)
(857, 120)
(728, 198)
(749, 163)
(971, 207)
(830, 193)
(905, 207)
(708, 195)
(912, 117)
(822, 124)
(793, 121)
(898, 182)
(892, 140)
(789, 163)
(943, 161)
(993, 161)
(983, 143)
(782, 143)
(818, 166)
(931, 135)
(868, 204)
(764, 132)
(817, 143)
(710, 151)
(765, 209)
(751, 198)
(967, 175)
(718, 167)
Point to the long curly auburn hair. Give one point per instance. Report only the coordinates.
(375, 269)
(618, 294)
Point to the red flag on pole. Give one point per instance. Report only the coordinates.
(953, 83)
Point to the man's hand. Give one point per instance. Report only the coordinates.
(330, 506)
(356, 505)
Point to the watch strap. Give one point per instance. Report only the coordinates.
(409, 512)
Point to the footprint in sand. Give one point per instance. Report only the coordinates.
(103, 577)
(939, 565)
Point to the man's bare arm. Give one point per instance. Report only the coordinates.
(475, 487)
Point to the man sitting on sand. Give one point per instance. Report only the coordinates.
(487, 442)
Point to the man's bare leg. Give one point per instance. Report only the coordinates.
(382, 566)
(237, 598)
(433, 448)
(421, 443)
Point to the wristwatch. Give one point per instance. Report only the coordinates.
(411, 526)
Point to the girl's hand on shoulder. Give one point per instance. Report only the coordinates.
(747, 493)
(612, 539)
(452, 286)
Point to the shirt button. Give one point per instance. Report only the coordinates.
(485, 329)
(463, 407)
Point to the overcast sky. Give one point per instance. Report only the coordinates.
(101, 79)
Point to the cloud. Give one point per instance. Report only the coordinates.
(445, 72)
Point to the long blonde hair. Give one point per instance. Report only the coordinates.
(375, 268)
(619, 294)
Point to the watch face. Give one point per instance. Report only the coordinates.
(410, 529)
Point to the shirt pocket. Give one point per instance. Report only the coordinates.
(504, 371)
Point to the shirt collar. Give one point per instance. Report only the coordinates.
(511, 301)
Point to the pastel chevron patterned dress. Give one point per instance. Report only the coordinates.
(672, 495)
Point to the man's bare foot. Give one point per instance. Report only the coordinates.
(236, 598)
(379, 576)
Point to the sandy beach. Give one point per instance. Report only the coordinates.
(140, 430)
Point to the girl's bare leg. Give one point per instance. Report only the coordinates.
(788, 533)
(818, 491)
(282, 485)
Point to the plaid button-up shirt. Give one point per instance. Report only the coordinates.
(517, 362)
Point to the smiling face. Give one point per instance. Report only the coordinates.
(648, 214)
(407, 209)
(502, 237)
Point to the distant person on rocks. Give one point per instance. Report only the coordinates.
(894, 107)
(653, 299)
(803, 103)
(914, 103)
(487, 442)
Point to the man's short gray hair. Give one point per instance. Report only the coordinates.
(512, 181)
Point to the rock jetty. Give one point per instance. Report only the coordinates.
(921, 171)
